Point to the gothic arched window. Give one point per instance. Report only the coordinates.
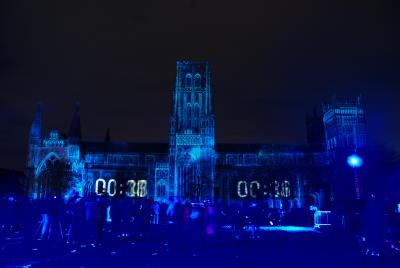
(196, 116)
(189, 115)
(88, 189)
(197, 80)
(161, 190)
(188, 81)
(52, 179)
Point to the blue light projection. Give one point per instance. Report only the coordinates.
(289, 229)
(254, 189)
(121, 187)
(132, 188)
(52, 156)
(344, 124)
(191, 146)
(354, 161)
(191, 166)
(53, 140)
(196, 153)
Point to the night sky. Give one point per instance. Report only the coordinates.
(272, 62)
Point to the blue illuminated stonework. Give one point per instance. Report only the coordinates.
(191, 146)
(344, 125)
(346, 146)
(192, 166)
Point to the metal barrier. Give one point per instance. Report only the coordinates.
(321, 218)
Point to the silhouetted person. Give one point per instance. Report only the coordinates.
(101, 209)
(116, 215)
(209, 220)
(163, 213)
(50, 224)
(44, 210)
(72, 215)
(89, 219)
(156, 212)
(79, 221)
(373, 225)
(126, 214)
(10, 210)
(148, 214)
(141, 218)
(55, 226)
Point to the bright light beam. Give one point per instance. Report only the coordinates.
(354, 161)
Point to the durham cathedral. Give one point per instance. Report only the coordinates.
(192, 166)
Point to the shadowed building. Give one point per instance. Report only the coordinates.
(345, 135)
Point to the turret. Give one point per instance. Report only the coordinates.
(75, 132)
(35, 133)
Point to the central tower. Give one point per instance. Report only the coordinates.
(191, 144)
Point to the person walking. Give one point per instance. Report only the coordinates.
(101, 209)
(156, 212)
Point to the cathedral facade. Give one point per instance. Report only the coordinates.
(191, 165)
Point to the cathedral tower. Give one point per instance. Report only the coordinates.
(346, 136)
(344, 123)
(191, 145)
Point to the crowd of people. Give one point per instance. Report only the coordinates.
(77, 219)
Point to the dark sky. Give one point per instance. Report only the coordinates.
(272, 62)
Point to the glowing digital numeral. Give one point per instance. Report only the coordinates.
(131, 188)
(103, 186)
(253, 192)
(114, 186)
(142, 188)
(134, 188)
(239, 189)
(281, 188)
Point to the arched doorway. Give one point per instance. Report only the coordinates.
(51, 177)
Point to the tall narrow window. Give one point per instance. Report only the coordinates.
(161, 190)
(196, 116)
(188, 82)
(197, 80)
(88, 189)
(189, 116)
